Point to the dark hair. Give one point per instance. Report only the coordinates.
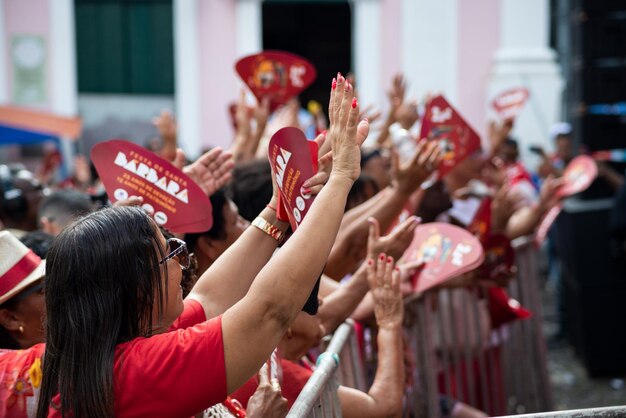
(367, 155)
(510, 142)
(251, 188)
(38, 241)
(6, 339)
(218, 230)
(103, 279)
(190, 274)
(62, 206)
(358, 192)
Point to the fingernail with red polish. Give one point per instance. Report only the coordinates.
(334, 84)
(324, 132)
(397, 269)
(306, 190)
(354, 103)
(390, 259)
(370, 262)
(382, 257)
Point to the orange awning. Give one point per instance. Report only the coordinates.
(42, 122)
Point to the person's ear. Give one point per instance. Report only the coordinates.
(48, 226)
(9, 321)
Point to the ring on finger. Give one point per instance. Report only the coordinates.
(386, 286)
(275, 385)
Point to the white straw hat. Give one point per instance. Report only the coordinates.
(19, 266)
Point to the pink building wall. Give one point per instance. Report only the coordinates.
(391, 42)
(26, 17)
(218, 80)
(478, 39)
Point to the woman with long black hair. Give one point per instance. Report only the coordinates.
(114, 344)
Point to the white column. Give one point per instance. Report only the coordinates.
(187, 69)
(367, 53)
(249, 27)
(4, 88)
(62, 62)
(430, 46)
(524, 59)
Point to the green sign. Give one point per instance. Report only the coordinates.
(28, 53)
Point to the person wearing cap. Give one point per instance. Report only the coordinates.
(116, 342)
(22, 303)
(22, 307)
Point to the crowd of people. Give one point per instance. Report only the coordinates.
(104, 313)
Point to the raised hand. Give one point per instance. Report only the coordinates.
(395, 243)
(384, 283)
(398, 90)
(498, 132)
(343, 130)
(410, 175)
(371, 113)
(548, 197)
(267, 400)
(82, 173)
(212, 170)
(166, 125)
(503, 206)
(406, 114)
(314, 184)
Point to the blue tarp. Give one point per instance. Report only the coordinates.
(10, 135)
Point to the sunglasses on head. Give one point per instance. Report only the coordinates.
(178, 250)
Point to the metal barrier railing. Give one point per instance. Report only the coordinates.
(319, 397)
(459, 356)
(531, 381)
(605, 412)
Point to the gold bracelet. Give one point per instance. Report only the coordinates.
(269, 229)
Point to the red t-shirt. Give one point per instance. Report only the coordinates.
(178, 373)
(294, 379)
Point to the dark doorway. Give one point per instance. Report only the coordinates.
(320, 31)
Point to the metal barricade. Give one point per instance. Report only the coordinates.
(531, 379)
(605, 412)
(459, 356)
(319, 396)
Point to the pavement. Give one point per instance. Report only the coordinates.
(572, 388)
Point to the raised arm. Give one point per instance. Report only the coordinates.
(254, 326)
(341, 303)
(229, 278)
(350, 247)
(525, 220)
(384, 399)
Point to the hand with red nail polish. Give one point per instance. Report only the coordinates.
(384, 281)
(343, 133)
(395, 243)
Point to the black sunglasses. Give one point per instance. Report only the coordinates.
(178, 249)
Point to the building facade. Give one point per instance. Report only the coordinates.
(54, 57)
